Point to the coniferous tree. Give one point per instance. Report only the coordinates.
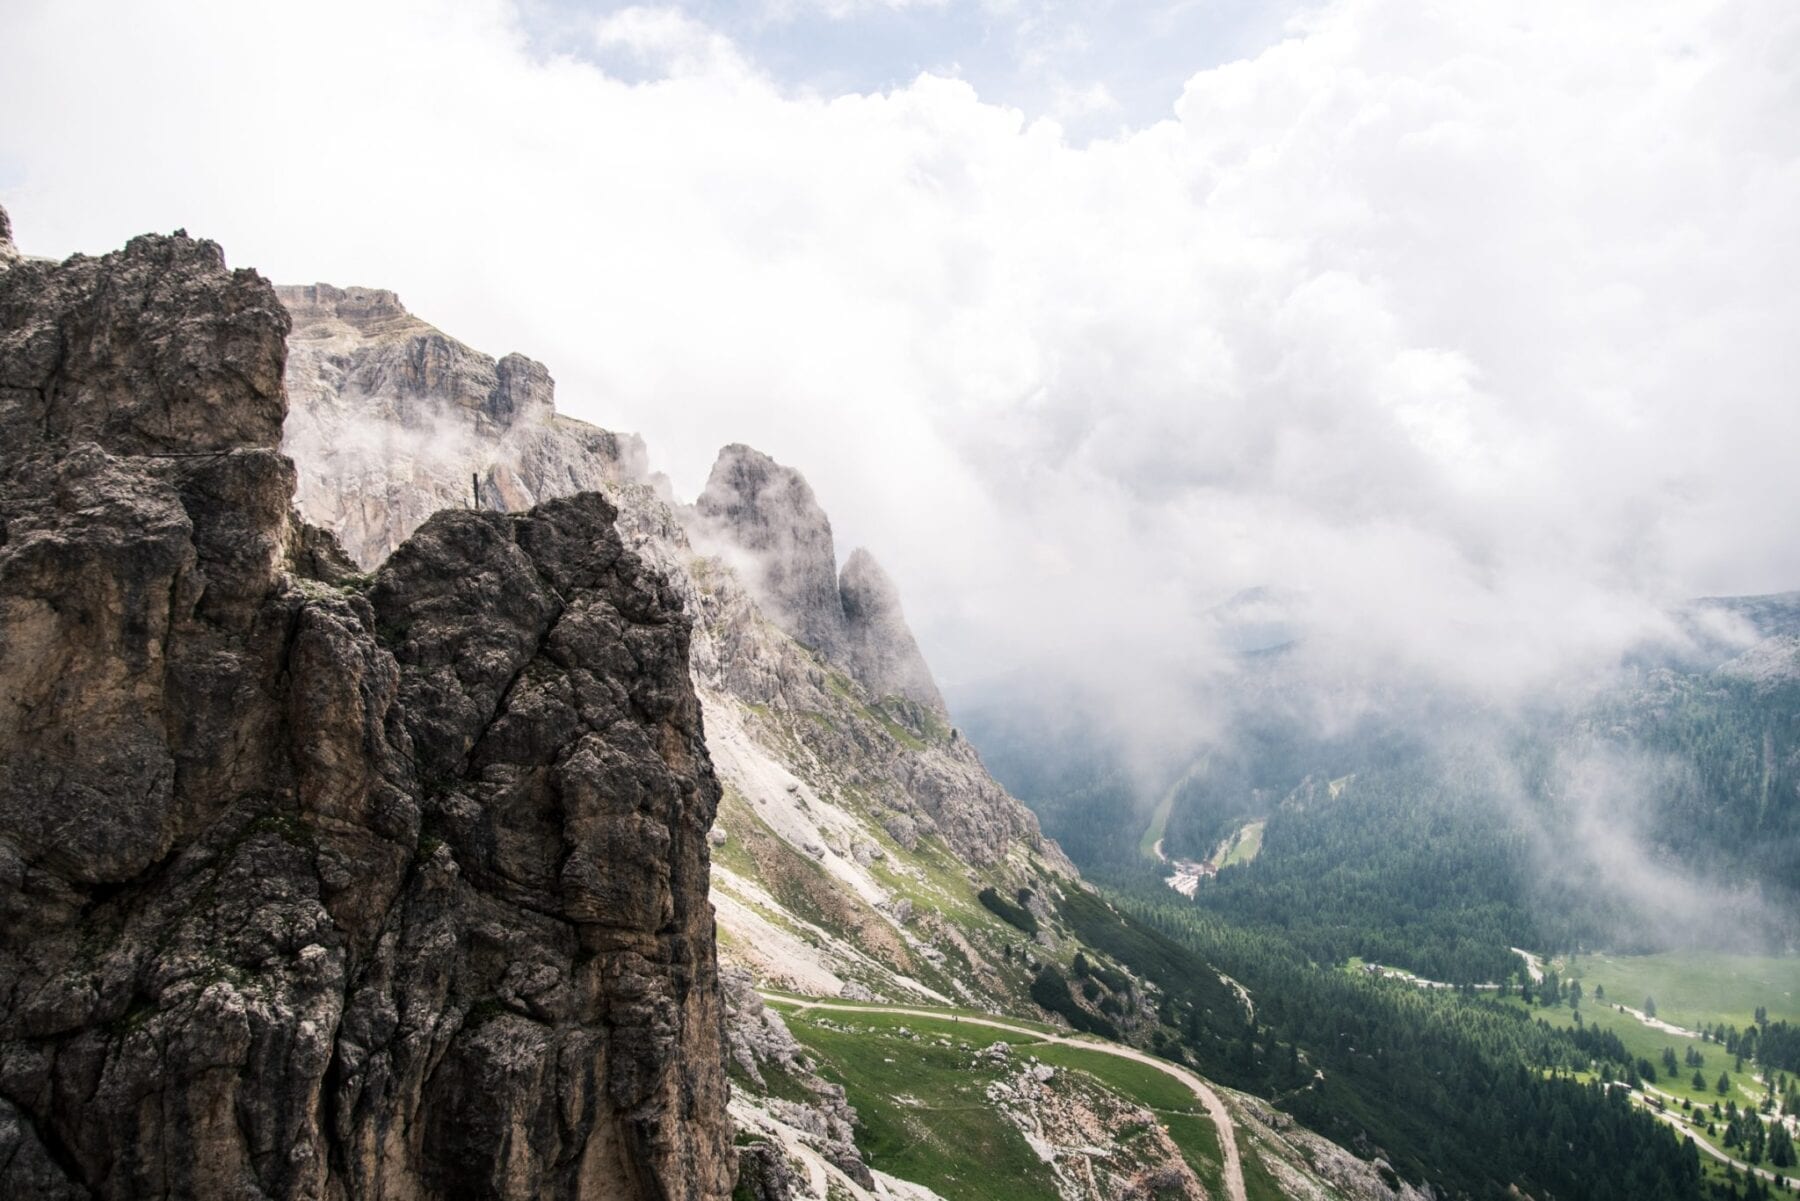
(1781, 1146)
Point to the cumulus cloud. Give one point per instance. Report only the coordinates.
(663, 42)
(1469, 327)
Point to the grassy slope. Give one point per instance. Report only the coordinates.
(923, 1110)
(1159, 824)
(1696, 987)
(1246, 844)
(923, 1113)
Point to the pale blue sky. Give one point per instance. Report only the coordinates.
(1040, 56)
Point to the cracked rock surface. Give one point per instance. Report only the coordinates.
(315, 884)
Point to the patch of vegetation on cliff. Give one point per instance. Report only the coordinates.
(1014, 915)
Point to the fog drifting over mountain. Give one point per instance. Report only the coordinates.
(1468, 334)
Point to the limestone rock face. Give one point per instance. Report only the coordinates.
(8, 252)
(878, 642)
(391, 419)
(764, 517)
(812, 1107)
(313, 886)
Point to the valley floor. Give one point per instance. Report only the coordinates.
(1701, 988)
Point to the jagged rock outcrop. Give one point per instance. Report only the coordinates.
(310, 885)
(390, 419)
(810, 1108)
(764, 518)
(763, 1173)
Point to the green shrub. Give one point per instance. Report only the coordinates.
(1051, 990)
(1008, 912)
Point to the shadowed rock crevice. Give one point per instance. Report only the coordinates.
(314, 884)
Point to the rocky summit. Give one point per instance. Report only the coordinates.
(316, 883)
(392, 420)
(762, 517)
(766, 514)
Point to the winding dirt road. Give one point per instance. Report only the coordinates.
(1215, 1108)
(1670, 1113)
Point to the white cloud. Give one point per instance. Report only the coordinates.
(1472, 323)
(840, 10)
(666, 42)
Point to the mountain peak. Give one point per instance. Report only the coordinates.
(768, 512)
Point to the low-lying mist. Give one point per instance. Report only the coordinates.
(1646, 788)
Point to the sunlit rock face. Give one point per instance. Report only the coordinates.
(392, 420)
(314, 884)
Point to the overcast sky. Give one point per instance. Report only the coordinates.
(1470, 329)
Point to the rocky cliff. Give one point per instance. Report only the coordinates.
(314, 884)
(880, 644)
(857, 826)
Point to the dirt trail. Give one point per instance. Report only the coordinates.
(1655, 1023)
(1215, 1108)
(1673, 1118)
